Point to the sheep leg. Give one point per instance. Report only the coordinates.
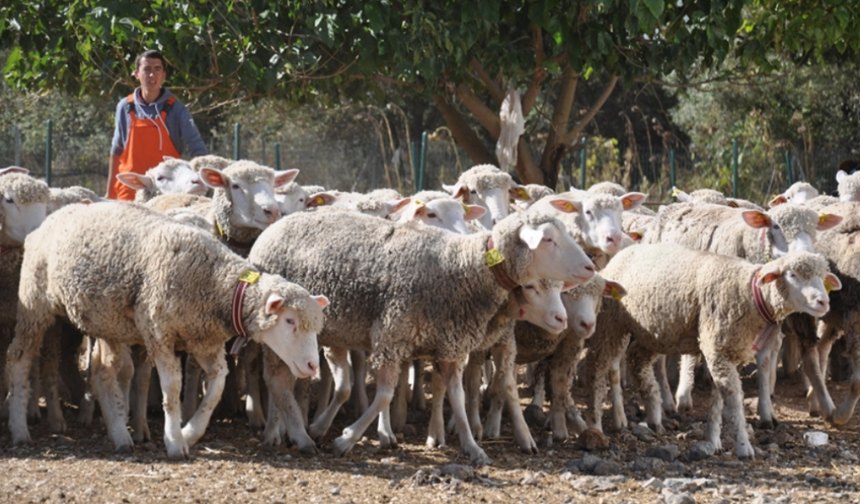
(662, 378)
(387, 439)
(215, 367)
(765, 359)
(473, 383)
(821, 350)
(562, 370)
(505, 382)
(616, 394)
(419, 402)
(169, 369)
(33, 412)
(338, 363)
(715, 418)
(641, 361)
(302, 393)
(452, 375)
(284, 411)
(852, 343)
(386, 381)
(399, 405)
(686, 381)
(324, 390)
(728, 381)
(88, 403)
(190, 388)
(358, 358)
(436, 427)
(538, 380)
(111, 391)
(250, 362)
(597, 365)
(140, 383)
(50, 372)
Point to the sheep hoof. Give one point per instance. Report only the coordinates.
(815, 413)
(342, 447)
(766, 424)
(534, 415)
(125, 449)
(310, 449)
(480, 459)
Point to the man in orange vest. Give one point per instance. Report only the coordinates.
(150, 124)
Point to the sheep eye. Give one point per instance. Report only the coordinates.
(531, 287)
(235, 186)
(589, 213)
(776, 227)
(161, 178)
(474, 191)
(290, 321)
(10, 200)
(431, 215)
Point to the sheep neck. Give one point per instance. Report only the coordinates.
(498, 270)
(765, 313)
(236, 311)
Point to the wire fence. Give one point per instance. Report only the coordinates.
(367, 159)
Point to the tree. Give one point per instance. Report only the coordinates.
(462, 55)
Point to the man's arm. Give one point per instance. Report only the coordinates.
(110, 192)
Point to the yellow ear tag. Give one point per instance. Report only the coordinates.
(249, 276)
(733, 204)
(523, 194)
(320, 200)
(418, 203)
(823, 217)
(828, 287)
(493, 257)
(218, 227)
(676, 192)
(569, 206)
(616, 294)
(465, 208)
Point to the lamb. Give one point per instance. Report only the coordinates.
(293, 197)
(167, 177)
(526, 195)
(849, 186)
(719, 306)
(439, 209)
(168, 286)
(22, 209)
(385, 281)
(799, 193)
(562, 350)
(750, 234)
(484, 185)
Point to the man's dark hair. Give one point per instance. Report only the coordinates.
(150, 53)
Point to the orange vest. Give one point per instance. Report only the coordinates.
(142, 149)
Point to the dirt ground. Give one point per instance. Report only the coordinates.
(229, 465)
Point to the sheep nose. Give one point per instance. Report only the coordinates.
(272, 214)
(561, 319)
(590, 267)
(586, 326)
(312, 367)
(823, 303)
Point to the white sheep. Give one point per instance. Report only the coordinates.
(562, 351)
(750, 234)
(167, 177)
(717, 305)
(126, 274)
(402, 291)
(799, 193)
(485, 185)
(62, 196)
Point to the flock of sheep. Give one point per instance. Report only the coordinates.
(261, 274)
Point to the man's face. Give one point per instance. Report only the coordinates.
(151, 74)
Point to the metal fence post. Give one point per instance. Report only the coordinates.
(236, 128)
(277, 155)
(422, 161)
(263, 151)
(48, 153)
(734, 168)
(788, 167)
(582, 158)
(672, 172)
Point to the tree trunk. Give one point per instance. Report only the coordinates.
(462, 133)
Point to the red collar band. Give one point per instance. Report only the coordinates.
(769, 330)
(494, 261)
(238, 302)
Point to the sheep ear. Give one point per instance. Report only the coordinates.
(395, 205)
(777, 200)
(766, 277)
(167, 158)
(632, 200)
(473, 212)
(531, 235)
(827, 221)
(213, 178)
(457, 191)
(568, 286)
(680, 195)
(567, 205)
(284, 177)
(517, 192)
(733, 204)
(417, 209)
(840, 176)
(320, 199)
(321, 300)
(756, 219)
(636, 235)
(136, 181)
(274, 303)
(832, 283)
(614, 290)
(13, 169)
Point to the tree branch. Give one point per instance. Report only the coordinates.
(560, 117)
(482, 113)
(528, 171)
(461, 131)
(595, 108)
(540, 73)
(495, 91)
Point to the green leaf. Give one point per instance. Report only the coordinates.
(656, 7)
